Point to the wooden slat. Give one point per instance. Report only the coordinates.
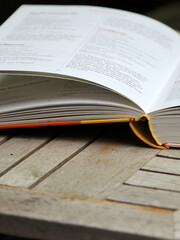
(155, 180)
(101, 167)
(177, 225)
(3, 138)
(52, 155)
(161, 164)
(51, 217)
(146, 196)
(172, 153)
(5, 135)
(20, 146)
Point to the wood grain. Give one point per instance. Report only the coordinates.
(50, 156)
(51, 217)
(100, 168)
(4, 138)
(173, 153)
(18, 148)
(76, 191)
(177, 225)
(161, 164)
(155, 180)
(146, 196)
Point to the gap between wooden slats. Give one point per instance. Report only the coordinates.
(3, 139)
(50, 156)
(155, 180)
(172, 153)
(22, 145)
(164, 165)
(5, 136)
(169, 179)
(37, 213)
(146, 196)
(100, 168)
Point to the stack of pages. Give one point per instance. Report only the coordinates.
(63, 65)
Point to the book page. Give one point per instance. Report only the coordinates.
(126, 52)
(170, 95)
(37, 93)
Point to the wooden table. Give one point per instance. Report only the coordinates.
(87, 182)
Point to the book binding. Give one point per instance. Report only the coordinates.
(140, 126)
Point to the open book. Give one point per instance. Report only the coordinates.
(84, 64)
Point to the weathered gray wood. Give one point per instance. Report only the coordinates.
(4, 138)
(100, 168)
(52, 155)
(51, 217)
(161, 164)
(155, 180)
(58, 209)
(177, 225)
(172, 153)
(146, 197)
(18, 148)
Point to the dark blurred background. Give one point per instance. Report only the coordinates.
(167, 11)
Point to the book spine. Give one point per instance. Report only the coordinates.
(143, 130)
(107, 121)
(46, 124)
